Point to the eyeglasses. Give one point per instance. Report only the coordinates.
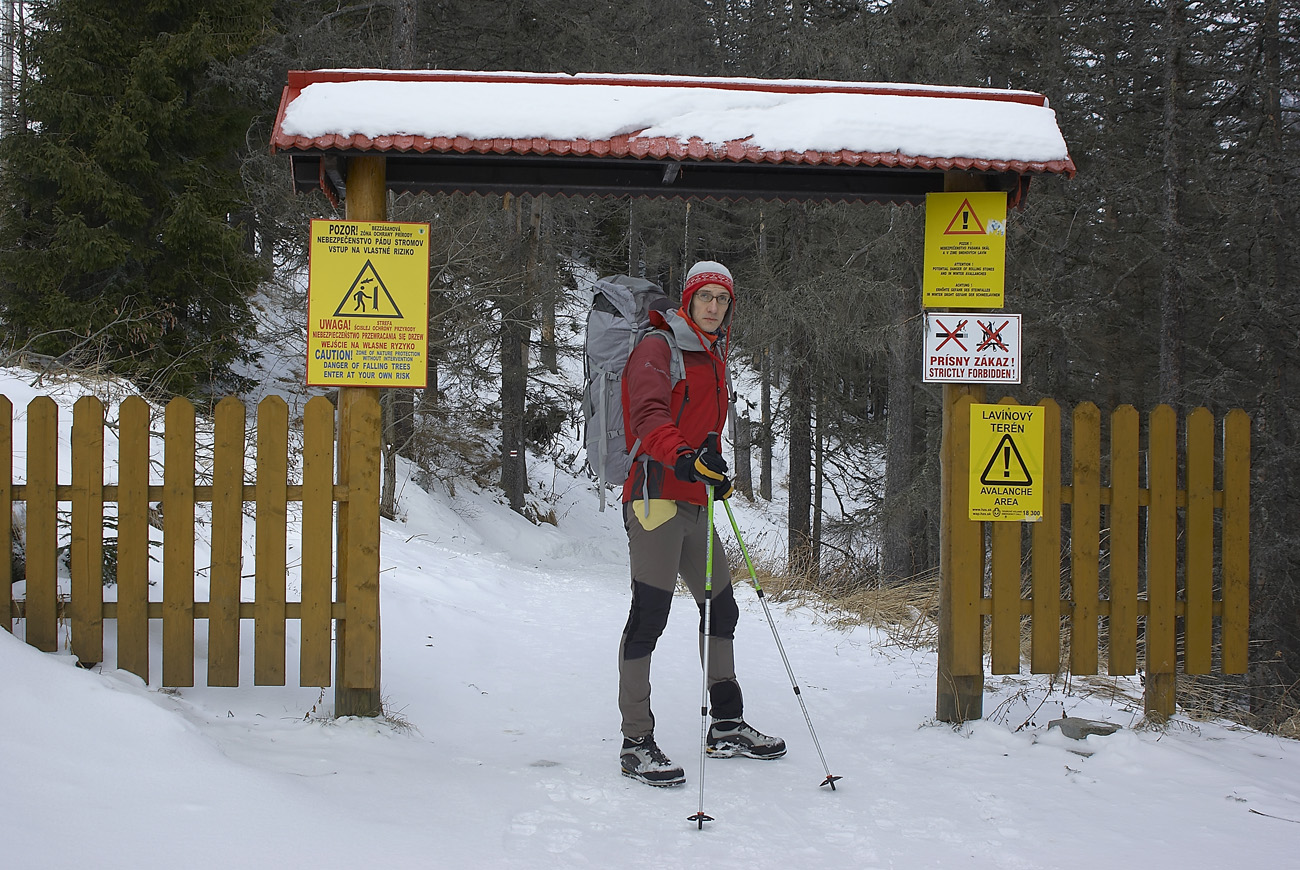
(723, 299)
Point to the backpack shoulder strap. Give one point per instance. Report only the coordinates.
(676, 371)
(676, 362)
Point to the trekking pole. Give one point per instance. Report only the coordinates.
(794, 684)
(700, 818)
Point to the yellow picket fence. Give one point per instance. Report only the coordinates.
(1158, 596)
(322, 609)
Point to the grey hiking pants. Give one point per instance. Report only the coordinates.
(658, 556)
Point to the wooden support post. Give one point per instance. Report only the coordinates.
(960, 694)
(356, 682)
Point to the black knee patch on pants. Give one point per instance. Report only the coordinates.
(725, 700)
(724, 613)
(646, 620)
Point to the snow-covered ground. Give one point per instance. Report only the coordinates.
(501, 748)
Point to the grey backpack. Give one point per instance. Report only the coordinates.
(619, 317)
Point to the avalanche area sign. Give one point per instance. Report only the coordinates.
(367, 304)
(971, 348)
(965, 249)
(1006, 463)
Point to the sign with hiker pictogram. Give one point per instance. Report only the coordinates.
(965, 249)
(367, 304)
(1006, 463)
(971, 348)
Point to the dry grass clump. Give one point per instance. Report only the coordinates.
(1290, 727)
(907, 611)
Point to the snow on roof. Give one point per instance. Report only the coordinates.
(671, 117)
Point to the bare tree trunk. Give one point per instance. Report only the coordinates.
(1281, 212)
(8, 60)
(765, 438)
(514, 375)
(437, 311)
(897, 562)
(1173, 281)
(765, 425)
(742, 438)
(819, 445)
(399, 414)
(404, 29)
(388, 449)
(550, 288)
(1275, 582)
(799, 544)
(514, 368)
(634, 266)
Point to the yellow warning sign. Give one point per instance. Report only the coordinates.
(1006, 463)
(965, 249)
(368, 304)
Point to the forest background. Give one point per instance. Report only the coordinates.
(143, 217)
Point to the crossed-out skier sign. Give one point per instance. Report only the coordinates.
(1006, 462)
(971, 348)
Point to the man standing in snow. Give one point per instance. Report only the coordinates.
(672, 431)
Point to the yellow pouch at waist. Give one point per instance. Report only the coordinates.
(658, 512)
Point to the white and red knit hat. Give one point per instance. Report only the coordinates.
(707, 272)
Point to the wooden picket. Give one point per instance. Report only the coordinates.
(225, 576)
(321, 608)
(42, 537)
(317, 525)
(178, 543)
(272, 515)
(86, 548)
(6, 499)
(1045, 543)
(1104, 576)
(1122, 520)
(133, 610)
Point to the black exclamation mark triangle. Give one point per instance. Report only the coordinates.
(1006, 467)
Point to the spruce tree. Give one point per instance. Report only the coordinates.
(118, 185)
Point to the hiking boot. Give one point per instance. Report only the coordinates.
(644, 760)
(728, 737)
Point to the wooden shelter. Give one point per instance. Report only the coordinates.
(356, 134)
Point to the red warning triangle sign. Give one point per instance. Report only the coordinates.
(965, 222)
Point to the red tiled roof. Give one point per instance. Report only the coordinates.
(659, 148)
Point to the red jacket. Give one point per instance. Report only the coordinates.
(668, 417)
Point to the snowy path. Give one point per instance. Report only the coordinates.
(499, 652)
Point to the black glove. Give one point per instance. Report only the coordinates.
(705, 465)
(684, 467)
(723, 489)
(709, 463)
